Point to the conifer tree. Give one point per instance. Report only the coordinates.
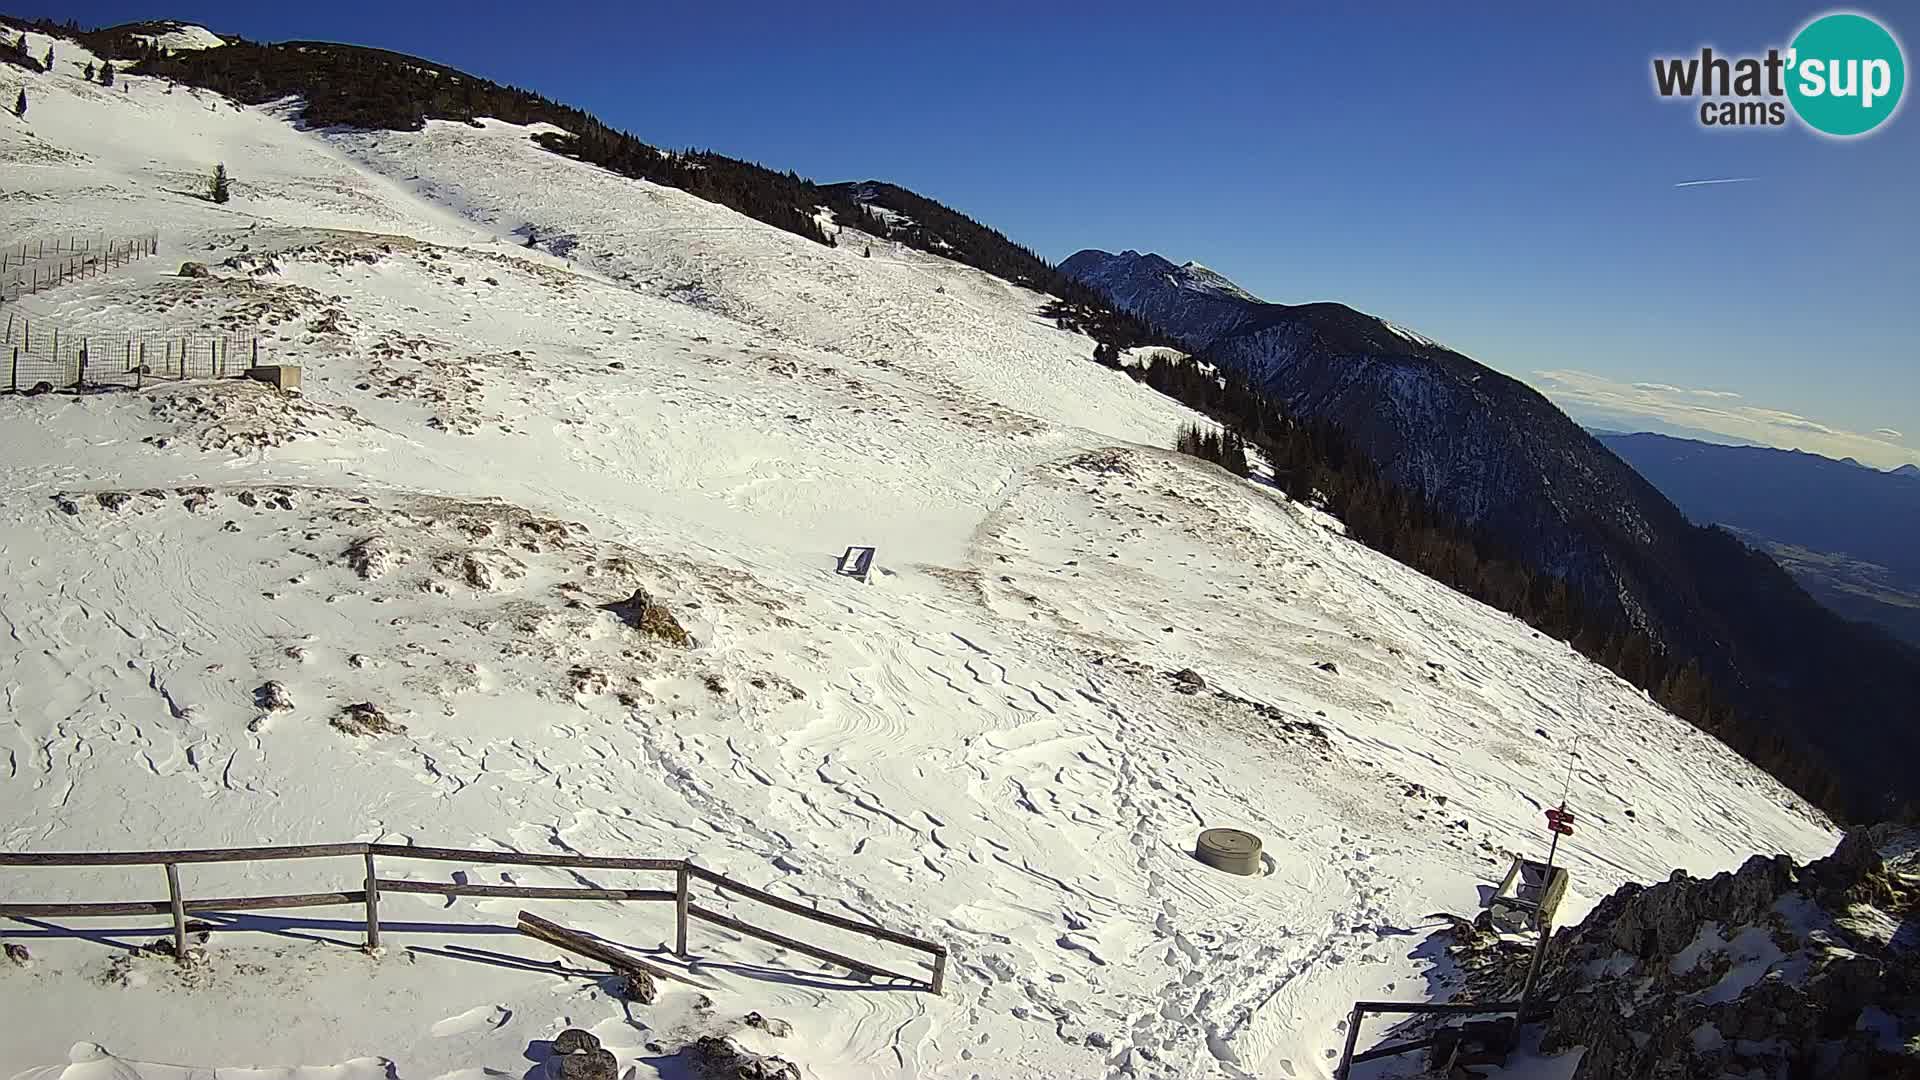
(106, 73)
(48, 62)
(217, 191)
(20, 103)
(88, 70)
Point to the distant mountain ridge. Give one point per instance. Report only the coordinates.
(1498, 455)
(1849, 532)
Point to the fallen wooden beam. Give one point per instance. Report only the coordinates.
(576, 942)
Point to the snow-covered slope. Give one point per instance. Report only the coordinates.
(181, 37)
(985, 745)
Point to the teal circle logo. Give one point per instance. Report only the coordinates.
(1845, 74)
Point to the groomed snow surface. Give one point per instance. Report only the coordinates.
(985, 745)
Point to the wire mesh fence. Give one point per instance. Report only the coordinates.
(37, 355)
(33, 265)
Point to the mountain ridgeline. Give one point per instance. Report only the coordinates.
(364, 87)
(1827, 705)
(1454, 469)
(1844, 531)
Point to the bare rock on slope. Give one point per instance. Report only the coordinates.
(1773, 969)
(273, 697)
(574, 1041)
(372, 557)
(643, 613)
(594, 1064)
(720, 1058)
(366, 718)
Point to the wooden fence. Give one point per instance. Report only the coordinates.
(368, 895)
(34, 265)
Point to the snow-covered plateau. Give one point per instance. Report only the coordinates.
(986, 744)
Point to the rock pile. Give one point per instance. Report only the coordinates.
(1771, 970)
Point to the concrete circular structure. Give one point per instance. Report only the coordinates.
(1231, 850)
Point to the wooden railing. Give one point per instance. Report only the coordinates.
(368, 895)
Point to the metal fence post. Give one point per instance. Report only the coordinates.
(80, 380)
(16, 368)
(1353, 1038)
(373, 906)
(179, 913)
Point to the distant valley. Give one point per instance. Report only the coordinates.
(1846, 532)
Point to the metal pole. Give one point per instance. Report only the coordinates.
(179, 913)
(1353, 1037)
(373, 906)
(1540, 944)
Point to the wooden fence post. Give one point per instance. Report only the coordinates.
(680, 893)
(80, 379)
(939, 971)
(179, 913)
(16, 367)
(373, 906)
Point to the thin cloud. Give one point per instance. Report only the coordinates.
(1718, 180)
(1721, 412)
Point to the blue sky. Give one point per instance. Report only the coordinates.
(1500, 180)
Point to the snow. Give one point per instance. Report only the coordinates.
(983, 745)
(1413, 336)
(184, 37)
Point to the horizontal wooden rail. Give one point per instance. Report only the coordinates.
(805, 912)
(161, 907)
(520, 858)
(158, 858)
(526, 892)
(322, 851)
(786, 942)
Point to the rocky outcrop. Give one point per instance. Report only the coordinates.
(717, 1057)
(650, 617)
(1772, 970)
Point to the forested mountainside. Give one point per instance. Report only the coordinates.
(1792, 683)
